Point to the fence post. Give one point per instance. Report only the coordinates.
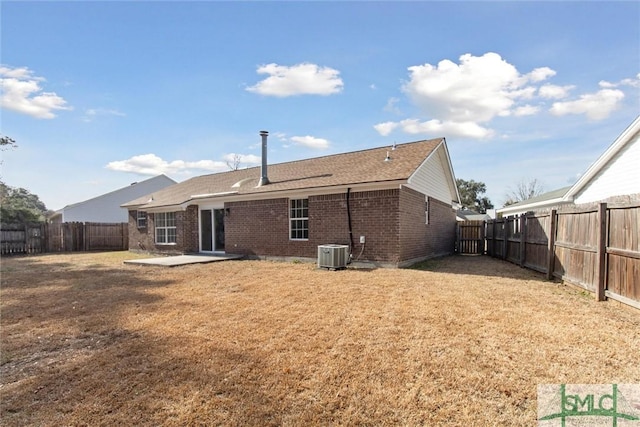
(505, 242)
(523, 239)
(493, 237)
(551, 244)
(601, 252)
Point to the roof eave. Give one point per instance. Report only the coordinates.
(625, 137)
(263, 195)
(531, 206)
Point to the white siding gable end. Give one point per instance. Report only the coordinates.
(435, 178)
(615, 173)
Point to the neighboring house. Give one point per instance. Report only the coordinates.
(615, 174)
(549, 200)
(391, 206)
(106, 208)
(469, 215)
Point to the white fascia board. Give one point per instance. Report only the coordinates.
(302, 192)
(290, 194)
(602, 161)
(211, 195)
(171, 208)
(453, 176)
(531, 206)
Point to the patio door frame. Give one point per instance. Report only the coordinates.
(208, 213)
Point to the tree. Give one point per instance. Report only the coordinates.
(234, 162)
(471, 195)
(18, 205)
(524, 190)
(6, 142)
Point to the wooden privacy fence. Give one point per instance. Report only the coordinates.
(65, 237)
(596, 248)
(470, 239)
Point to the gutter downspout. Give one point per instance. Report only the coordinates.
(350, 227)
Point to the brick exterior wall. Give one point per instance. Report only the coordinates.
(392, 222)
(143, 239)
(262, 227)
(419, 240)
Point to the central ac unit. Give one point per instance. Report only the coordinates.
(333, 256)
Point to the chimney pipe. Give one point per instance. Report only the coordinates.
(264, 180)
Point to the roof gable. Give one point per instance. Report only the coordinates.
(628, 143)
(542, 201)
(358, 167)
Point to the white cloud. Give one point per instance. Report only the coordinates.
(447, 128)
(476, 90)
(385, 128)
(92, 113)
(633, 82)
(243, 158)
(310, 142)
(150, 164)
(300, 79)
(540, 74)
(21, 92)
(596, 106)
(550, 91)
(526, 110)
(392, 106)
(463, 98)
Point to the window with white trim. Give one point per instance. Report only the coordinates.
(426, 210)
(165, 223)
(299, 219)
(141, 219)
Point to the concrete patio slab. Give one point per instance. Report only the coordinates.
(174, 261)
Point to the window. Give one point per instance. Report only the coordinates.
(426, 211)
(165, 227)
(299, 219)
(142, 219)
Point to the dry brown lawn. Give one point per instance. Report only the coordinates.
(463, 341)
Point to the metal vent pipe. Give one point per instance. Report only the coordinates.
(264, 179)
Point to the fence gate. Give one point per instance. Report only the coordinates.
(22, 239)
(470, 237)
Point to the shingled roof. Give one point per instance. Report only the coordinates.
(358, 167)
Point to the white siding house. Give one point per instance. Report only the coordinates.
(615, 173)
(106, 208)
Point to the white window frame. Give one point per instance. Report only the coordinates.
(297, 210)
(141, 219)
(426, 210)
(164, 223)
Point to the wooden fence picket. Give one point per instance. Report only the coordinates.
(65, 237)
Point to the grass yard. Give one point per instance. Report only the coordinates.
(86, 340)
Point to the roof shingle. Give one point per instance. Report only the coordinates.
(358, 167)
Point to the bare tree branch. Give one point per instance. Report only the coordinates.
(524, 190)
(234, 164)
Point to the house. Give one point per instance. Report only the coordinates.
(392, 206)
(549, 200)
(614, 175)
(471, 215)
(106, 208)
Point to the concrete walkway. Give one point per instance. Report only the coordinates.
(174, 261)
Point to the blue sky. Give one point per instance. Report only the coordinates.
(101, 94)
